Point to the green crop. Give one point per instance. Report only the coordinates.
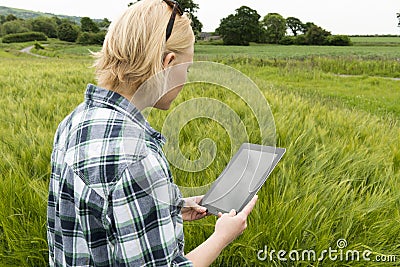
(340, 177)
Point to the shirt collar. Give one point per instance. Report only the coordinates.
(118, 102)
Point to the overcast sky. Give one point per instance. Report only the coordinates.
(336, 16)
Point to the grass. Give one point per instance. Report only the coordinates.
(207, 52)
(340, 177)
(376, 41)
(334, 182)
(360, 92)
(37, 94)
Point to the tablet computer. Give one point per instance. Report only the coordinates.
(242, 178)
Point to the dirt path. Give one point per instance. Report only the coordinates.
(28, 49)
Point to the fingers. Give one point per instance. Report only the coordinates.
(189, 203)
(193, 201)
(232, 212)
(200, 209)
(245, 212)
(201, 215)
(249, 207)
(197, 199)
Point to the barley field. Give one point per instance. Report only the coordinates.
(336, 111)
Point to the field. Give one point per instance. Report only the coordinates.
(376, 40)
(336, 111)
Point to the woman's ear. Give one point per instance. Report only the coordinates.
(168, 59)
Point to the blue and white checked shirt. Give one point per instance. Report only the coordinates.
(112, 201)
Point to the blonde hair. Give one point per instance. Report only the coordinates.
(135, 44)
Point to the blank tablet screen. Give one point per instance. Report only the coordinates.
(243, 176)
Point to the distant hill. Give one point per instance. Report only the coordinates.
(27, 14)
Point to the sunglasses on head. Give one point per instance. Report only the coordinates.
(175, 9)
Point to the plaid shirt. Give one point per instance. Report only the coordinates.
(112, 201)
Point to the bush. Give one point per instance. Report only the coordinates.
(89, 38)
(300, 40)
(339, 40)
(288, 40)
(38, 46)
(24, 37)
(15, 26)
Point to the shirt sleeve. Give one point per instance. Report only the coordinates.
(145, 213)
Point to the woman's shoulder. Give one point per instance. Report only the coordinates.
(99, 132)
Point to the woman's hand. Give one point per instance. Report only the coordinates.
(231, 225)
(192, 210)
(228, 227)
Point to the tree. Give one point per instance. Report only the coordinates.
(197, 26)
(2, 19)
(190, 7)
(88, 25)
(240, 28)
(315, 35)
(68, 32)
(87, 38)
(44, 24)
(11, 17)
(307, 26)
(14, 26)
(398, 16)
(295, 25)
(65, 20)
(104, 23)
(57, 20)
(276, 27)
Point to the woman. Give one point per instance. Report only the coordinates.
(112, 201)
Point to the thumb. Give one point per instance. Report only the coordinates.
(190, 203)
(199, 208)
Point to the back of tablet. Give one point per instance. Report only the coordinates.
(242, 178)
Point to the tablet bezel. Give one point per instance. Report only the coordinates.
(269, 149)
